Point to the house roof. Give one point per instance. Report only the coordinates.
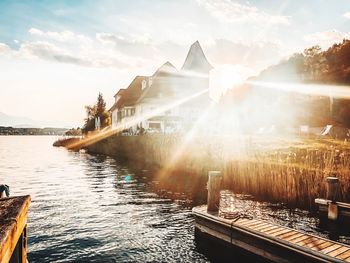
(120, 92)
(167, 82)
(196, 60)
(133, 92)
(130, 95)
(163, 81)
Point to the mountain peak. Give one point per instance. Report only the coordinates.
(196, 60)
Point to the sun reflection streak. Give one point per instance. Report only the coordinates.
(180, 150)
(336, 91)
(98, 136)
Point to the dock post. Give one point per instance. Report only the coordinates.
(214, 186)
(332, 195)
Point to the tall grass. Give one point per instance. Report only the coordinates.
(286, 170)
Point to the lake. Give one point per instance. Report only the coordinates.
(92, 208)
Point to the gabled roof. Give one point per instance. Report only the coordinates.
(120, 92)
(196, 60)
(162, 82)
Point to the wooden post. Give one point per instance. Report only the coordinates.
(332, 188)
(332, 195)
(214, 186)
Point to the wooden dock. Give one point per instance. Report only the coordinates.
(13, 229)
(270, 241)
(343, 208)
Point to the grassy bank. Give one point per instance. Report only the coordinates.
(292, 171)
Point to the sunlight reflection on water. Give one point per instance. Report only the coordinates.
(91, 208)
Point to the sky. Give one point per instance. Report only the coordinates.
(56, 56)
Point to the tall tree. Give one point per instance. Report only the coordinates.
(100, 105)
(94, 111)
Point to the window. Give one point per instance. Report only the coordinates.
(143, 84)
(154, 125)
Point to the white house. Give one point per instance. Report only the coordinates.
(167, 101)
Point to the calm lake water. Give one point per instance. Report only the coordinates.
(92, 208)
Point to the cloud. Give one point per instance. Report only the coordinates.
(63, 36)
(347, 15)
(51, 52)
(132, 46)
(255, 55)
(327, 38)
(35, 31)
(230, 12)
(4, 48)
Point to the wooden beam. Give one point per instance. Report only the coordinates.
(14, 229)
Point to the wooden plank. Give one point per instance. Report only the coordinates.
(315, 244)
(338, 251)
(283, 236)
(270, 227)
(296, 240)
(270, 232)
(18, 221)
(245, 221)
(306, 241)
(344, 255)
(283, 231)
(252, 223)
(304, 246)
(262, 226)
(293, 236)
(242, 220)
(330, 248)
(323, 246)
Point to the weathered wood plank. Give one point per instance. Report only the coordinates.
(315, 244)
(293, 236)
(307, 241)
(286, 235)
(330, 248)
(252, 223)
(13, 221)
(241, 221)
(283, 231)
(344, 255)
(323, 246)
(338, 251)
(261, 226)
(273, 231)
(298, 239)
(278, 243)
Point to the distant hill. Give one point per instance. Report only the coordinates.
(32, 131)
(16, 121)
(7, 120)
(331, 67)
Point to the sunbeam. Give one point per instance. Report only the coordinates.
(95, 137)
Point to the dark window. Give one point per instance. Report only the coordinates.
(154, 125)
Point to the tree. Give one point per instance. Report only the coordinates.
(94, 111)
(315, 63)
(100, 105)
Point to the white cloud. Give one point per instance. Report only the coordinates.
(255, 55)
(63, 36)
(140, 46)
(51, 52)
(230, 12)
(347, 15)
(4, 48)
(327, 38)
(35, 31)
